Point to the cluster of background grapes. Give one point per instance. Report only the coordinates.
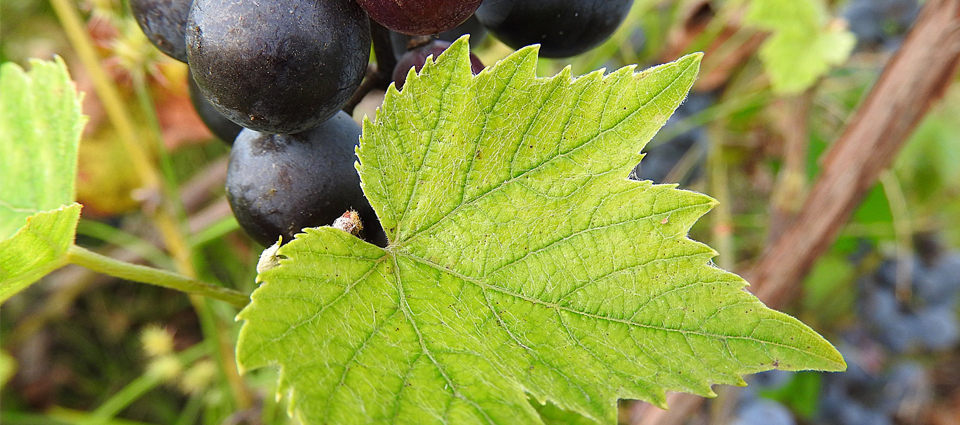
(905, 320)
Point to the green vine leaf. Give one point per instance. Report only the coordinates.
(522, 261)
(40, 126)
(803, 45)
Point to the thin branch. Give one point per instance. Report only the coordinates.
(137, 273)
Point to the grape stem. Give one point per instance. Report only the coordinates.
(143, 274)
(380, 75)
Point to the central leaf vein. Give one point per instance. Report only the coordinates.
(599, 316)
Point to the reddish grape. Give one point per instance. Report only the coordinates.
(417, 57)
(420, 17)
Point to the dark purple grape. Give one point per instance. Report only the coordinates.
(905, 385)
(861, 372)
(764, 412)
(563, 28)
(218, 124)
(771, 379)
(401, 43)
(888, 272)
(278, 66)
(942, 281)
(416, 58)
(164, 23)
(891, 325)
(937, 328)
(419, 17)
(279, 184)
(857, 414)
(880, 23)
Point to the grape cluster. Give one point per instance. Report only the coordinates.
(886, 381)
(880, 24)
(683, 155)
(271, 77)
(874, 390)
(906, 309)
(920, 316)
(755, 410)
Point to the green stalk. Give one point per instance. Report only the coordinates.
(213, 232)
(128, 241)
(902, 229)
(722, 215)
(191, 411)
(107, 92)
(166, 165)
(164, 218)
(182, 250)
(137, 273)
(121, 400)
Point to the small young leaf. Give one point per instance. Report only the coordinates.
(40, 126)
(803, 46)
(796, 60)
(521, 261)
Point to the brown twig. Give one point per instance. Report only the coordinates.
(914, 79)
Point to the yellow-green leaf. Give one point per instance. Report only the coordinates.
(522, 263)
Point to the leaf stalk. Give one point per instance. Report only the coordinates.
(137, 273)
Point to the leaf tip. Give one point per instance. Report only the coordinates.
(836, 361)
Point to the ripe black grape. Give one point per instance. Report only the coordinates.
(279, 184)
(278, 66)
(419, 17)
(164, 23)
(764, 412)
(402, 43)
(562, 27)
(218, 124)
(416, 58)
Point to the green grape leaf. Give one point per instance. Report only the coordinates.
(803, 45)
(40, 126)
(522, 262)
(795, 60)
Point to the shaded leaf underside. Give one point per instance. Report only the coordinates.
(522, 261)
(38, 248)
